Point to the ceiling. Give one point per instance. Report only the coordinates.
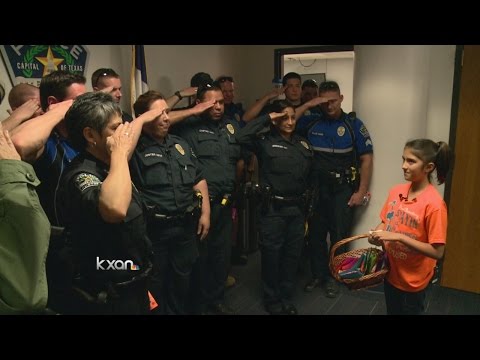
(324, 55)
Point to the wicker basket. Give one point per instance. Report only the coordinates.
(363, 282)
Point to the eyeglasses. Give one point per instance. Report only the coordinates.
(104, 72)
(224, 78)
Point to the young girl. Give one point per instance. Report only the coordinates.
(413, 230)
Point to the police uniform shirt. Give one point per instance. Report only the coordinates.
(58, 153)
(332, 142)
(165, 173)
(215, 145)
(284, 164)
(93, 239)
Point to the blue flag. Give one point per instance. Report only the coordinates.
(139, 83)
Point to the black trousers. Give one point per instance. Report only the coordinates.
(282, 229)
(401, 302)
(175, 252)
(210, 270)
(332, 216)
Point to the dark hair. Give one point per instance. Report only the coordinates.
(94, 110)
(202, 90)
(328, 86)
(438, 153)
(56, 84)
(144, 101)
(309, 83)
(280, 105)
(201, 79)
(291, 75)
(103, 72)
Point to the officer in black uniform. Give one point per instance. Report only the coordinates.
(165, 171)
(103, 211)
(285, 164)
(213, 140)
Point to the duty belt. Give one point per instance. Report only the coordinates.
(288, 200)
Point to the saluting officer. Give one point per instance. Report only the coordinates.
(343, 151)
(285, 161)
(102, 210)
(213, 139)
(165, 170)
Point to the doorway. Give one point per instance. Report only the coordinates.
(320, 63)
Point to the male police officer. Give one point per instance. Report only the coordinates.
(165, 170)
(343, 149)
(212, 138)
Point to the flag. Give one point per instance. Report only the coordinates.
(139, 74)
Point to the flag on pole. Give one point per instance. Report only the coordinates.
(139, 74)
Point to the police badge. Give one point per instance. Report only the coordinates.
(180, 149)
(230, 129)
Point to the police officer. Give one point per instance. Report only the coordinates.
(213, 140)
(343, 151)
(103, 211)
(285, 164)
(165, 171)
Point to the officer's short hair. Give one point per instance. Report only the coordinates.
(56, 84)
(291, 75)
(101, 73)
(92, 109)
(328, 86)
(21, 93)
(201, 79)
(309, 83)
(144, 101)
(202, 90)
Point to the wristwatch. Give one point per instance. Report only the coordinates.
(177, 93)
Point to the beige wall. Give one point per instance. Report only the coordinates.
(400, 92)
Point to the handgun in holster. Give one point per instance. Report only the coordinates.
(354, 179)
(196, 207)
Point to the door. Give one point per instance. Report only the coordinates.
(461, 267)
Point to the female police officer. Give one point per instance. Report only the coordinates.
(102, 210)
(165, 170)
(284, 162)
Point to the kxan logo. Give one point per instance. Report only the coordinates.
(116, 265)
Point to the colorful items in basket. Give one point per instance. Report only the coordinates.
(367, 263)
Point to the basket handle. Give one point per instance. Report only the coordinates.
(343, 242)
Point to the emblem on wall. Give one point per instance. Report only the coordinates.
(29, 63)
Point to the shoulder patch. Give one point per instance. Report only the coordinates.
(364, 131)
(84, 181)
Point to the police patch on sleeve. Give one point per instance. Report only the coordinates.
(364, 131)
(305, 145)
(84, 181)
(180, 149)
(230, 129)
